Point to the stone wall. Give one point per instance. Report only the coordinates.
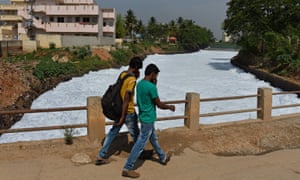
(45, 40)
(12, 47)
(275, 80)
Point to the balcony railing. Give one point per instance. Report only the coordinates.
(71, 27)
(77, 1)
(108, 29)
(10, 18)
(108, 15)
(68, 9)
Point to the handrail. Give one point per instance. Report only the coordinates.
(286, 92)
(175, 102)
(229, 112)
(285, 106)
(228, 98)
(158, 119)
(42, 128)
(185, 116)
(171, 118)
(22, 111)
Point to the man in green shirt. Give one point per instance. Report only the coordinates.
(147, 100)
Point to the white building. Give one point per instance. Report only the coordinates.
(64, 23)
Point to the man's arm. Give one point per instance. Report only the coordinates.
(162, 105)
(127, 97)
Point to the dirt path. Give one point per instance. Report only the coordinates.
(283, 164)
(257, 150)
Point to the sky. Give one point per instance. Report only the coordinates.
(205, 13)
(208, 73)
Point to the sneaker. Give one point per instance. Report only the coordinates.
(130, 174)
(167, 159)
(99, 162)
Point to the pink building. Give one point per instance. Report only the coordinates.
(64, 23)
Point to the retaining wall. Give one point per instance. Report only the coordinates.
(275, 80)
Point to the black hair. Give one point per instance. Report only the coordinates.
(136, 63)
(151, 68)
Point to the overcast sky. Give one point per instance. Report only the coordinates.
(206, 13)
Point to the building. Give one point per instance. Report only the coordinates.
(63, 23)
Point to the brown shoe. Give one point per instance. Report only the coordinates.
(99, 162)
(167, 159)
(130, 174)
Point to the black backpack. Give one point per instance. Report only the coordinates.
(112, 101)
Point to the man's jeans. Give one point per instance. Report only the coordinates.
(132, 125)
(147, 131)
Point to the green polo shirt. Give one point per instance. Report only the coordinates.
(146, 93)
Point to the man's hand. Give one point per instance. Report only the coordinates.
(172, 107)
(120, 122)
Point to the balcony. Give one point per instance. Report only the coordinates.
(78, 1)
(109, 29)
(10, 18)
(9, 7)
(67, 27)
(6, 27)
(68, 10)
(108, 13)
(18, 1)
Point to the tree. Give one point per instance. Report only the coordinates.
(152, 27)
(130, 23)
(249, 21)
(120, 27)
(195, 37)
(173, 29)
(140, 28)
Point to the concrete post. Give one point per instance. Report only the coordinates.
(264, 102)
(96, 119)
(192, 111)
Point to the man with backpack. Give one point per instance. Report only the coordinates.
(147, 101)
(128, 115)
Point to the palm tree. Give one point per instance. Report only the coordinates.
(130, 22)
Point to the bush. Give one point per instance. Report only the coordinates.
(121, 56)
(93, 63)
(49, 68)
(82, 52)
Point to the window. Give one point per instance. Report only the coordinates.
(94, 20)
(60, 19)
(86, 19)
(51, 19)
(77, 19)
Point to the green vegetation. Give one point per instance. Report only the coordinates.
(269, 30)
(189, 36)
(49, 68)
(121, 56)
(224, 45)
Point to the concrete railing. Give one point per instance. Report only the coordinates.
(96, 120)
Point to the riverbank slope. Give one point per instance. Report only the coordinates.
(19, 87)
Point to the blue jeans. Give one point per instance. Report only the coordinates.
(147, 132)
(132, 125)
